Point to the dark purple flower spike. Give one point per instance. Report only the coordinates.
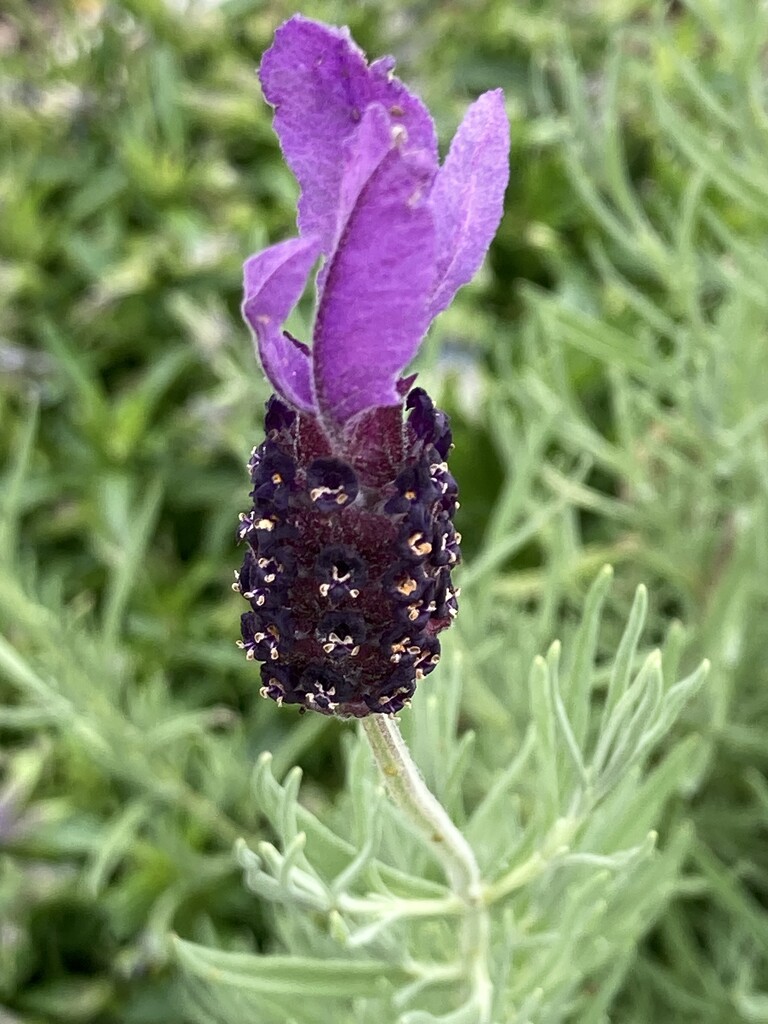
(350, 539)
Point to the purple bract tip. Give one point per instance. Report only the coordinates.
(398, 234)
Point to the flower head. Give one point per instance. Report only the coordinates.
(350, 540)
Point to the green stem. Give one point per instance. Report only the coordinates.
(410, 794)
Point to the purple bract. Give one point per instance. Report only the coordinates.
(350, 539)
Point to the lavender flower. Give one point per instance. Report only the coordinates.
(350, 541)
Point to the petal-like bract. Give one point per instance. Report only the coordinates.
(274, 280)
(372, 313)
(468, 196)
(399, 235)
(320, 85)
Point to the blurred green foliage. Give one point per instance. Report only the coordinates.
(608, 379)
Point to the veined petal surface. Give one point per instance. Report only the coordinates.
(320, 85)
(372, 311)
(274, 280)
(468, 196)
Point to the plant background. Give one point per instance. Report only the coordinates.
(607, 375)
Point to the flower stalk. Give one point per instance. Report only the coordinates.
(408, 791)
